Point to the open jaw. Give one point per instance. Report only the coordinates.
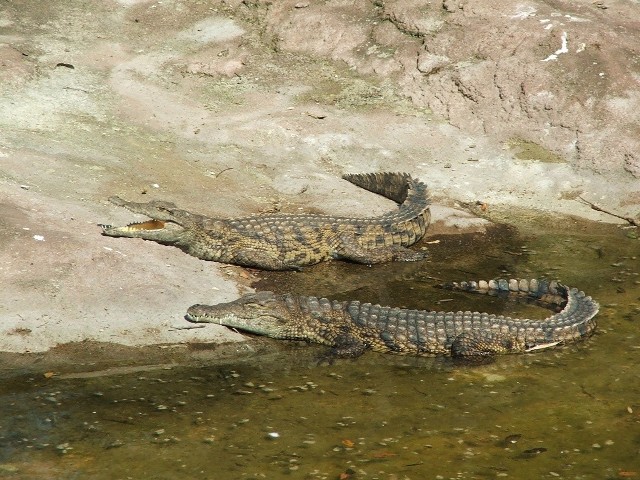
(158, 230)
(146, 225)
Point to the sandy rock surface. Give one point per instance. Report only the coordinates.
(230, 108)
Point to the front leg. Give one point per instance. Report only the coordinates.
(348, 346)
(344, 346)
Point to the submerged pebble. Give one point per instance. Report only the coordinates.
(513, 438)
(534, 451)
(115, 444)
(63, 447)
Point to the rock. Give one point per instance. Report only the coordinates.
(484, 69)
(632, 164)
(429, 63)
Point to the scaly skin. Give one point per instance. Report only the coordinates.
(351, 327)
(285, 242)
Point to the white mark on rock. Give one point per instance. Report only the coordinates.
(109, 249)
(581, 47)
(571, 18)
(562, 49)
(38, 238)
(524, 11)
(548, 24)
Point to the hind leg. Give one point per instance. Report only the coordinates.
(351, 250)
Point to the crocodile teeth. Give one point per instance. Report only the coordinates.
(148, 225)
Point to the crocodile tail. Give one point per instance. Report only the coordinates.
(546, 290)
(574, 321)
(394, 186)
(542, 292)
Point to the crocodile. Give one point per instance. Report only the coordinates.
(350, 327)
(293, 241)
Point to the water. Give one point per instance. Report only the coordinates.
(571, 413)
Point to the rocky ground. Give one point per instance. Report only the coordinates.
(229, 107)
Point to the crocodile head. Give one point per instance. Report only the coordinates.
(157, 230)
(262, 313)
(166, 224)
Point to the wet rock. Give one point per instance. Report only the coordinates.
(511, 439)
(532, 452)
(9, 468)
(63, 448)
(115, 444)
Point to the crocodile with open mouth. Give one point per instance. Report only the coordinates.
(293, 241)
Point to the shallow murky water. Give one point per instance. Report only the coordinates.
(569, 413)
